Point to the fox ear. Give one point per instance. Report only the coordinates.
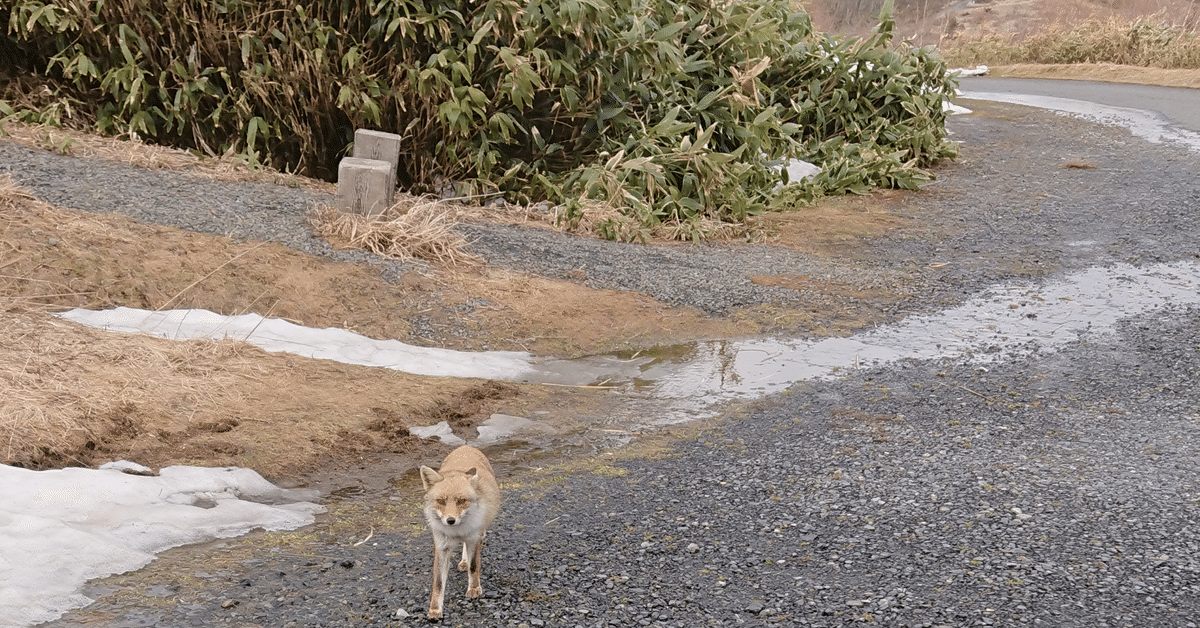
(429, 477)
(472, 476)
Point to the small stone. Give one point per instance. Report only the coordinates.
(693, 548)
(401, 613)
(229, 603)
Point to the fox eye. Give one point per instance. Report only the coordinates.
(462, 502)
(441, 501)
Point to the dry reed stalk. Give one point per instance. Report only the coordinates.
(209, 274)
(412, 228)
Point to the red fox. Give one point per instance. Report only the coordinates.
(461, 499)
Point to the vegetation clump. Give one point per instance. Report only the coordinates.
(1146, 42)
(675, 113)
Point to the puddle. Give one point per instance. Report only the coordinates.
(1144, 124)
(1002, 321)
(672, 384)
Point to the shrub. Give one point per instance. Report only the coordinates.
(676, 113)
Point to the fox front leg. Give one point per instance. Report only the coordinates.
(441, 569)
(462, 564)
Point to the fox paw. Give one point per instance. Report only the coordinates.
(474, 591)
(435, 615)
(462, 565)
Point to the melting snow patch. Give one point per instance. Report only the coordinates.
(979, 70)
(61, 528)
(273, 334)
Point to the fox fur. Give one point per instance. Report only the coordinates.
(461, 500)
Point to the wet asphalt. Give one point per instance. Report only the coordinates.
(1055, 488)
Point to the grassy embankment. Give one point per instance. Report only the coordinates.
(1128, 41)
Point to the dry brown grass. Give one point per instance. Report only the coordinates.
(936, 23)
(1101, 72)
(69, 389)
(1157, 41)
(18, 291)
(414, 227)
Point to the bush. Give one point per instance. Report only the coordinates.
(676, 113)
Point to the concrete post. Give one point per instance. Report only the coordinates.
(382, 146)
(365, 186)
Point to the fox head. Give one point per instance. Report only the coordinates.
(449, 496)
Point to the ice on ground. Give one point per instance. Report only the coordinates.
(1000, 318)
(61, 528)
(1147, 125)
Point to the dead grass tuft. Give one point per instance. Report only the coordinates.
(415, 227)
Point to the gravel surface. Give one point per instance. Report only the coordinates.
(1055, 489)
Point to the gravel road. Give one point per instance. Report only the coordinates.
(1056, 489)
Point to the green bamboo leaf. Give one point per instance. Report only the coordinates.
(483, 32)
(669, 31)
(252, 129)
(765, 115)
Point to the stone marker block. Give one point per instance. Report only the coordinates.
(364, 185)
(379, 145)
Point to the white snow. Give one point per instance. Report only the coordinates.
(979, 70)
(60, 528)
(799, 170)
(277, 335)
